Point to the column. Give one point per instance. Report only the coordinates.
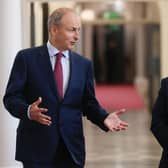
(88, 46)
(10, 43)
(141, 82)
(140, 51)
(163, 5)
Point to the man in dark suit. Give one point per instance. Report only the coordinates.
(159, 125)
(49, 89)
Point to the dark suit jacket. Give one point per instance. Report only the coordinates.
(159, 125)
(31, 77)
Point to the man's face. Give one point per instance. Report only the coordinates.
(66, 35)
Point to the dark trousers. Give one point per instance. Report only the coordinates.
(164, 160)
(163, 164)
(63, 159)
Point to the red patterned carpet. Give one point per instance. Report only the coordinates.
(113, 97)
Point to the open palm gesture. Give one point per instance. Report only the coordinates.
(114, 123)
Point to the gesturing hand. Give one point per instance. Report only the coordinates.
(37, 115)
(113, 122)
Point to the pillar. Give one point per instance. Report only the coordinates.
(10, 43)
(163, 5)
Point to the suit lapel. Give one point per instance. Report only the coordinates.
(73, 70)
(46, 69)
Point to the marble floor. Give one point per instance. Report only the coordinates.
(134, 148)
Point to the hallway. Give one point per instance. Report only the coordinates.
(134, 148)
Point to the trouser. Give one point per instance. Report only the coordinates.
(164, 160)
(63, 159)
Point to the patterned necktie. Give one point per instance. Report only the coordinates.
(58, 74)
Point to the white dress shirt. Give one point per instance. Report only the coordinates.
(65, 63)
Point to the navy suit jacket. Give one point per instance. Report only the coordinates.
(32, 77)
(159, 125)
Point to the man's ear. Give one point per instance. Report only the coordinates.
(53, 29)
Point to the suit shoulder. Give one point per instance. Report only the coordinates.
(164, 80)
(81, 57)
(164, 83)
(30, 50)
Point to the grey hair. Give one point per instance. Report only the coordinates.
(56, 16)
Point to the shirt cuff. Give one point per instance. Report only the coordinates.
(28, 112)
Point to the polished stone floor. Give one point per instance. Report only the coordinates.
(134, 148)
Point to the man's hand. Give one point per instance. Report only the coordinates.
(37, 115)
(113, 122)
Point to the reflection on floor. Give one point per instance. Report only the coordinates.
(134, 148)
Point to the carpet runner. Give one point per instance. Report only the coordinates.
(113, 97)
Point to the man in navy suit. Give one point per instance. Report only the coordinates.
(159, 125)
(50, 131)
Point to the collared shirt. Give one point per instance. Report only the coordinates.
(65, 61)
